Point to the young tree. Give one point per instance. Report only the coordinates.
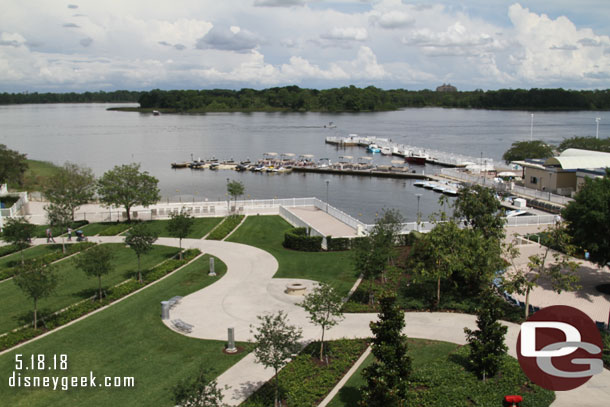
(554, 266)
(12, 165)
(324, 307)
(387, 377)
(37, 280)
(520, 150)
(180, 225)
(71, 187)
(588, 217)
(437, 254)
(140, 238)
(126, 186)
(481, 210)
(487, 347)
(95, 262)
(61, 216)
(201, 392)
(18, 232)
(235, 189)
(276, 343)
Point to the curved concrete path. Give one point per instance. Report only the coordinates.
(248, 290)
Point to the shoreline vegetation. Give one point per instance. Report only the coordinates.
(345, 99)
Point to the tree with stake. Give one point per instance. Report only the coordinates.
(201, 392)
(59, 216)
(126, 186)
(18, 232)
(553, 266)
(324, 308)
(71, 187)
(37, 280)
(387, 377)
(235, 189)
(140, 238)
(180, 225)
(487, 348)
(96, 262)
(276, 343)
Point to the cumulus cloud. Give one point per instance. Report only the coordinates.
(279, 3)
(346, 34)
(11, 39)
(228, 39)
(392, 19)
(455, 40)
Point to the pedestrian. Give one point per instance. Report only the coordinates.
(48, 235)
(69, 234)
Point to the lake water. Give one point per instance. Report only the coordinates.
(89, 134)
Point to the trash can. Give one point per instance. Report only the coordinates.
(164, 310)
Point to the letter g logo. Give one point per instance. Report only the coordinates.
(555, 343)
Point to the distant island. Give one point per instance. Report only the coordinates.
(345, 99)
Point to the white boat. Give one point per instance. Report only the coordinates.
(439, 187)
(419, 183)
(386, 151)
(156, 113)
(373, 148)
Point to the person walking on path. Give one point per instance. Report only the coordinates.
(50, 236)
(69, 234)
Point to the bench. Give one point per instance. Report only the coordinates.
(182, 326)
(173, 301)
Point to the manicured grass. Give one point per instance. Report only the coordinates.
(201, 227)
(267, 233)
(35, 251)
(36, 175)
(41, 230)
(127, 339)
(228, 224)
(440, 377)
(74, 285)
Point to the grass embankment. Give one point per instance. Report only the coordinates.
(36, 176)
(440, 377)
(228, 224)
(74, 285)
(128, 340)
(267, 233)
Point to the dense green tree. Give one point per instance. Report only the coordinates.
(276, 341)
(555, 267)
(588, 217)
(37, 280)
(18, 232)
(12, 166)
(235, 189)
(481, 210)
(487, 347)
(586, 143)
(70, 187)
(140, 238)
(387, 377)
(126, 186)
(61, 216)
(201, 392)
(323, 305)
(520, 150)
(95, 262)
(180, 225)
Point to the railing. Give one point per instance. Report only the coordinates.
(533, 193)
(338, 214)
(15, 208)
(533, 220)
(296, 221)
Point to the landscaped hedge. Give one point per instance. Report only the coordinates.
(47, 258)
(8, 249)
(297, 239)
(115, 229)
(305, 381)
(336, 244)
(228, 224)
(76, 311)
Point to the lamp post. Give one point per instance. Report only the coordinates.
(327, 182)
(418, 214)
(550, 175)
(597, 119)
(532, 128)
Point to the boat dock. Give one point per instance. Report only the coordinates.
(416, 154)
(375, 172)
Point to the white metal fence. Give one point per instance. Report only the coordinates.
(528, 192)
(296, 221)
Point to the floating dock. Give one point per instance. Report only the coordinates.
(362, 173)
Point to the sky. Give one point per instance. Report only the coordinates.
(91, 45)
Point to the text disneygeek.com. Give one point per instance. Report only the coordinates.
(20, 378)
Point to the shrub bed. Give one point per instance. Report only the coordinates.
(337, 244)
(228, 224)
(297, 239)
(305, 381)
(8, 249)
(78, 310)
(9, 271)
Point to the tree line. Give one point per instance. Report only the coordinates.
(521, 150)
(344, 99)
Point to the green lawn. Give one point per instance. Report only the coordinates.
(36, 175)
(440, 378)
(267, 233)
(127, 339)
(201, 227)
(74, 285)
(35, 251)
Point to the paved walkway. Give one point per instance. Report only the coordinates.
(327, 225)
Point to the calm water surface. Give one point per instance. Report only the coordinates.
(89, 134)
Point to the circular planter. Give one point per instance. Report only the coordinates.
(295, 289)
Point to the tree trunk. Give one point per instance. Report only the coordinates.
(139, 271)
(127, 209)
(35, 319)
(438, 292)
(527, 302)
(180, 248)
(322, 345)
(277, 389)
(22, 259)
(63, 245)
(100, 286)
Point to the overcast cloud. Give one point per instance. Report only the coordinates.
(410, 44)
